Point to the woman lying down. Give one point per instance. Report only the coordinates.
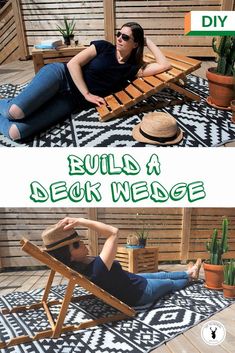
(62, 242)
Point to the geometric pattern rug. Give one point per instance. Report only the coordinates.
(153, 325)
(203, 125)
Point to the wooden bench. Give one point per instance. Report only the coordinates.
(63, 54)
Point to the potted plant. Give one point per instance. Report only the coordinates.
(142, 236)
(229, 279)
(213, 269)
(68, 31)
(221, 79)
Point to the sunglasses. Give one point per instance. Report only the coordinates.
(76, 244)
(124, 36)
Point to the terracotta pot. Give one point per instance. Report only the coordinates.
(214, 276)
(229, 291)
(221, 89)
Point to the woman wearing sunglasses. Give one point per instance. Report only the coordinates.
(59, 89)
(62, 242)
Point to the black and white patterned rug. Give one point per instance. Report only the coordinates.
(203, 126)
(152, 326)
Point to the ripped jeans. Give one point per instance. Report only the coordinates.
(161, 283)
(45, 101)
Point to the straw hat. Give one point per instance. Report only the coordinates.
(158, 129)
(54, 238)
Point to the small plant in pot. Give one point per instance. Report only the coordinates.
(142, 236)
(229, 279)
(68, 31)
(221, 79)
(213, 268)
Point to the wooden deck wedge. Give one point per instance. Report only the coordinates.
(74, 278)
(142, 88)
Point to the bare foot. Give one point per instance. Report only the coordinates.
(194, 270)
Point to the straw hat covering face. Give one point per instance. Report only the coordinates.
(158, 129)
(55, 237)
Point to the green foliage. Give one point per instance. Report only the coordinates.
(217, 247)
(143, 233)
(229, 273)
(226, 55)
(69, 28)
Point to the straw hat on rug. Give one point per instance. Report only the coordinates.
(159, 129)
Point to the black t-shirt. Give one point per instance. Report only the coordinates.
(126, 286)
(104, 74)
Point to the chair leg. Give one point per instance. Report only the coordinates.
(185, 92)
(48, 286)
(63, 309)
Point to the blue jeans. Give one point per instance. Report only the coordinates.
(45, 101)
(161, 283)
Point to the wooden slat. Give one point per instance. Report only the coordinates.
(133, 92)
(165, 77)
(124, 98)
(103, 112)
(180, 65)
(154, 81)
(113, 104)
(142, 85)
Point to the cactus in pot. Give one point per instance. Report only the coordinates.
(214, 274)
(221, 79)
(217, 247)
(229, 279)
(226, 55)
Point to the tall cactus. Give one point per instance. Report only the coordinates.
(217, 247)
(226, 55)
(229, 273)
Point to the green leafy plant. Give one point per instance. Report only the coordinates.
(143, 232)
(217, 247)
(226, 55)
(229, 273)
(68, 31)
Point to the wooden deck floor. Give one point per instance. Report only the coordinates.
(188, 342)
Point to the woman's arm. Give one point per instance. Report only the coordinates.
(160, 65)
(75, 68)
(109, 250)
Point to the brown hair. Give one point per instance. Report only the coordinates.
(138, 35)
(63, 255)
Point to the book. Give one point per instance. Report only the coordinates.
(48, 44)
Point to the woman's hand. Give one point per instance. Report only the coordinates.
(161, 63)
(70, 223)
(94, 99)
(147, 41)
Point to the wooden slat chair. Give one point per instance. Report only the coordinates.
(144, 87)
(74, 278)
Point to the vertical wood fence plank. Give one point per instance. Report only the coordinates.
(227, 5)
(109, 20)
(92, 236)
(20, 29)
(185, 234)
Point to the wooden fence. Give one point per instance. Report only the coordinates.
(27, 22)
(12, 33)
(180, 233)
